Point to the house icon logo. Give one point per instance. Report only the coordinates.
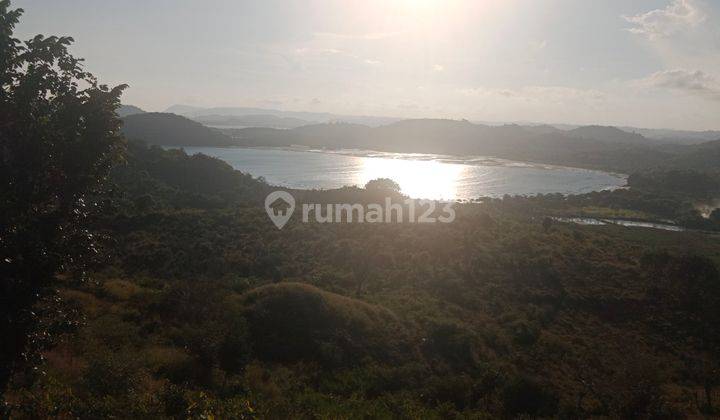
(280, 206)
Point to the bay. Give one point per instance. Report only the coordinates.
(425, 176)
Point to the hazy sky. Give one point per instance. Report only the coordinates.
(651, 63)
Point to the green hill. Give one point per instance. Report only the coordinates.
(127, 110)
(590, 147)
(155, 179)
(296, 321)
(704, 157)
(171, 130)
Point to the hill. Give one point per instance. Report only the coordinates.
(127, 110)
(594, 147)
(259, 120)
(160, 179)
(591, 147)
(607, 134)
(322, 117)
(683, 137)
(171, 130)
(705, 156)
(297, 321)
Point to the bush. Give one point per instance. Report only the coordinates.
(294, 321)
(525, 396)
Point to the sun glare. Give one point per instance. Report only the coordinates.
(421, 4)
(417, 178)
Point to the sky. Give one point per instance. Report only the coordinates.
(643, 63)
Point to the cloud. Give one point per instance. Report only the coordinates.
(694, 82)
(661, 23)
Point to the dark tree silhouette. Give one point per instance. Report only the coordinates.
(715, 216)
(59, 136)
(383, 184)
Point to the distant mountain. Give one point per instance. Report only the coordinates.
(321, 117)
(606, 134)
(543, 129)
(590, 147)
(261, 120)
(676, 136)
(664, 136)
(171, 130)
(596, 147)
(127, 110)
(184, 110)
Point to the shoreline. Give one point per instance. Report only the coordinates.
(472, 160)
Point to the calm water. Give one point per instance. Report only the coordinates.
(419, 175)
(589, 221)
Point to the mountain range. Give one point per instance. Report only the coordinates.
(260, 117)
(596, 147)
(309, 117)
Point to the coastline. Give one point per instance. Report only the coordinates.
(471, 160)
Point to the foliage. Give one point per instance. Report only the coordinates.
(383, 184)
(171, 130)
(294, 321)
(685, 182)
(59, 136)
(203, 309)
(490, 316)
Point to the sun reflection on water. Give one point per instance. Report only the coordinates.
(417, 178)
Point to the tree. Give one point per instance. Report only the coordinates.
(383, 184)
(715, 216)
(59, 136)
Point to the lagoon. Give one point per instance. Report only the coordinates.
(426, 176)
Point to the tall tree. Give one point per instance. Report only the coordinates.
(59, 136)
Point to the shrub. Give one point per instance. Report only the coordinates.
(294, 321)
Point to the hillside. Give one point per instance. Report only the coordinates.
(205, 307)
(595, 147)
(607, 134)
(683, 137)
(592, 147)
(156, 179)
(322, 117)
(705, 156)
(171, 130)
(127, 110)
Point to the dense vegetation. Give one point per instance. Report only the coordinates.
(203, 307)
(196, 306)
(59, 137)
(171, 130)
